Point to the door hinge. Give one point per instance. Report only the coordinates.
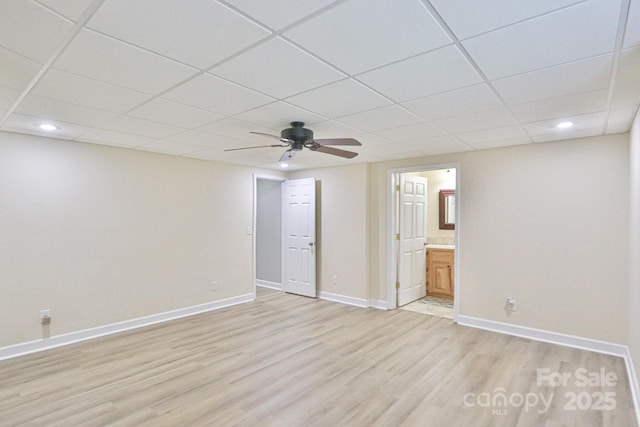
(397, 285)
(397, 187)
(397, 236)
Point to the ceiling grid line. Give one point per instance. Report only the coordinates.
(75, 29)
(417, 77)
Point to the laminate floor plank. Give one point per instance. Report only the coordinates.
(285, 360)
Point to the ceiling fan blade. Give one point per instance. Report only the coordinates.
(335, 151)
(287, 155)
(288, 141)
(338, 141)
(257, 146)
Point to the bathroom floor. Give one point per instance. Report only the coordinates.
(434, 306)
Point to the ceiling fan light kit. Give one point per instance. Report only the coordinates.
(298, 137)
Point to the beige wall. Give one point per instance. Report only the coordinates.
(101, 235)
(343, 227)
(546, 224)
(634, 252)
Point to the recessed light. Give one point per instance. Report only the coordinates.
(564, 125)
(48, 127)
(284, 165)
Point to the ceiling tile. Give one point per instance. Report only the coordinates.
(408, 133)
(8, 97)
(580, 123)
(625, 94)
(632, 33)
(276, 68)
(142, 127)
(395, 150)
(360, 35)
(622, 128)
(333, 129)
(63, 86)
(494, 143)
(203, 139)
(116, 139)
(311, 159)
(559, 37)
(467, 18)
(50, 109)
(214, 94)
(173, 113)
(369, 140)
(16, 71)
(279, 115)
(443, 145)
(622, 116)
(192, 28)
(629, 66)
(71, 9)
(576, 77)
(251, 157)
(239, 129)
(40, 38)
(279, 13)
(454, 103)
(381, 118)
(102, 58)
(169, 147)
(28, 124)
(427, 74)
(499, 117)
(580, 103)
(480, 137)
(579, 133)
(339, 99)
(419, 148)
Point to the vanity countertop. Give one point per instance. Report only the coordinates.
(430, 246)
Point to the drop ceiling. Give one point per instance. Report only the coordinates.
(407, 78)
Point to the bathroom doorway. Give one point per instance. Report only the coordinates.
(435, 264)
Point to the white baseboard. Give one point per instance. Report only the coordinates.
(545, 336)
(358, 302)
(379, 304)
(633, 384)
(269, 285)
(87, 334)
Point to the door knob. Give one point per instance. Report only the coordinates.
(310, 243)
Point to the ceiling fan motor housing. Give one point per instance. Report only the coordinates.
(298, 134)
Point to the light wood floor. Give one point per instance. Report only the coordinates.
(293, 361)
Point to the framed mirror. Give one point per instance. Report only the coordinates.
(447, 209)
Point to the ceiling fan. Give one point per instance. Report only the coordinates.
(298, 137)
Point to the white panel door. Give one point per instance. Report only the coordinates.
(413, 236)
(299, 234)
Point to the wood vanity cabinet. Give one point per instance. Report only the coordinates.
(440, 272)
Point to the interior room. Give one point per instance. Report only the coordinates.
(202, 221)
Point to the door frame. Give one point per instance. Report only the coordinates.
(256, 177)
(392, 221)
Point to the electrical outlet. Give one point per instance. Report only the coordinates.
(511, 304)
(214, 286)
(334, 279)
(45, 317)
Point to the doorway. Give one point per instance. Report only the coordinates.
(267, 236)
(437, 263)
(284, 237)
